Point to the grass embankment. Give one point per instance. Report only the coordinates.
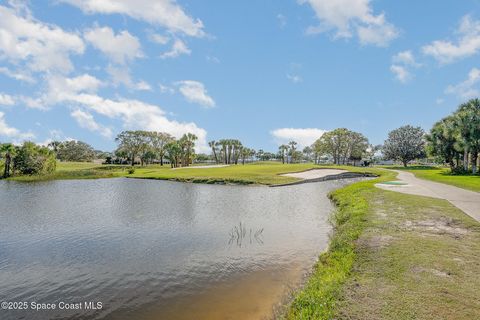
(77, 170)
(394, 256)
(444, 175)
(267, 173)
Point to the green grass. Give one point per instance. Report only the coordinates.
(267, 173)
(443, 175)
(319, 298)
(394, 256)
(77, 170)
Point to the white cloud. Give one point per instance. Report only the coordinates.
(158, 38)
(121, 75)
(194, 91)
(121, 47)
(10, 132)
(468, 88)
(33, 103)
(164, 13)
(349, 17)
(86, 120)
(178, 48)
(406, 58)
(403, 62)
(42, 47)
(6, 100)
(60, 88)
(17, 75)
(139, 115)
(79, 92)
(294, 78)
(401, 73)
(467, 43)
(303, 136)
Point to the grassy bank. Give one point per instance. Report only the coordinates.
(394, 256)
(267, 173)
(443, 175)
(77, 170)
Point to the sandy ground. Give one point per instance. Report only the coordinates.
(314, 174)
(466, 200)
(203, 167)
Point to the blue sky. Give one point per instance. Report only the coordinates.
(264, 72)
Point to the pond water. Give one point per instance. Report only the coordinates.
(150, 249)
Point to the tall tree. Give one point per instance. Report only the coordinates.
(292, 151)
(132, 142)
(31, 159)
(7, 151)
(73, 150)
(282, 150)
(173, 153)
(158, 141)
(307, 153)
(223, 144)
(405, 144)
(187, 143)
(442, 141)
(342, 145)
(468, 120)
(213, 144)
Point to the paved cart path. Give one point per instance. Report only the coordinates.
(466, 200)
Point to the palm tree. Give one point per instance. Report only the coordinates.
(237, 147)
(223, 143)
(8, 151)
(213, 144)
(187, 142)
(282, 150)
(293, 148)
(468, 120)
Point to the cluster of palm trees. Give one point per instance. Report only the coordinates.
(456, 138)
(230, 151)
(149, 146)
(289, 151)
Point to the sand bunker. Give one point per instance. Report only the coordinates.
(314, 174)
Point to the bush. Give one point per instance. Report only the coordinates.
(31, 159)
(131, 171)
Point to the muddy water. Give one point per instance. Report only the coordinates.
(155, 249)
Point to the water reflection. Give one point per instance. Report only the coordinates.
(239, 235)
(148, 249)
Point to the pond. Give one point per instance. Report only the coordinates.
(145, 249)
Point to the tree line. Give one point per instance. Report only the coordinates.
(26, 159)
(455, 139)
(148, 146)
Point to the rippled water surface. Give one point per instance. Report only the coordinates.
(156, 249)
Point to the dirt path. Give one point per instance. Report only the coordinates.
(466, 200)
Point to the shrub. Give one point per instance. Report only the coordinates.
(31, 159)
